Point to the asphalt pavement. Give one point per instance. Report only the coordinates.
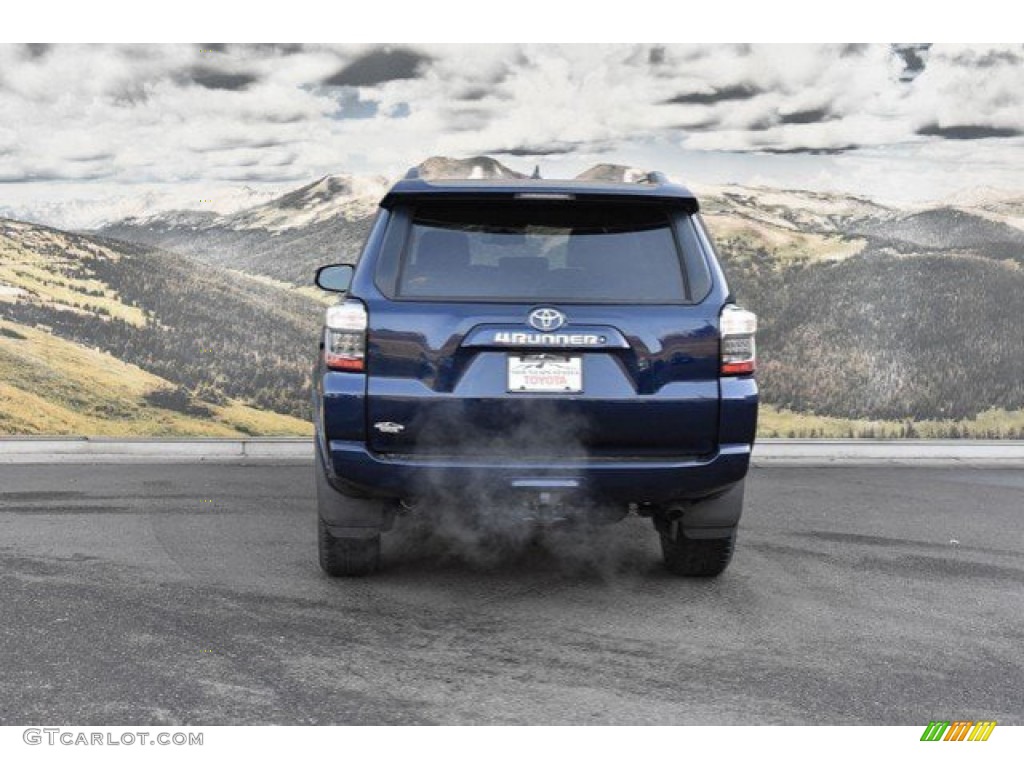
(189, 594)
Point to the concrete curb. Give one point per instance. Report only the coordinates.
(775, 452)
(103, 450)
(919, 453)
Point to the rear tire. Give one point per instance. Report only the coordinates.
(347, 556)
(695, 557)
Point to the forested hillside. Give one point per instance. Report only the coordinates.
(215, 335)
(885, 336)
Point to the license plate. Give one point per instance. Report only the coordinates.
(545, 373)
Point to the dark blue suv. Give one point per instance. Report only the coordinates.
(569, 350)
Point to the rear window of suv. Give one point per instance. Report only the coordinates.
(569, 251)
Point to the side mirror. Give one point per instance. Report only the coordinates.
(335, 277)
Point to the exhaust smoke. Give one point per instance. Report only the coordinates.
(473, 520)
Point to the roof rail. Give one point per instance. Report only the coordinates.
(655, 177)
(413, 173)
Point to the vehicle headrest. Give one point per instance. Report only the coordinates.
(595, 252)
(442, 249)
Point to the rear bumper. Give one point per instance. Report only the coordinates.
(358, 471)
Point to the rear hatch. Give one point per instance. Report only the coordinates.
(554, 329)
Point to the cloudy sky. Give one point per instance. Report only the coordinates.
(905, 121)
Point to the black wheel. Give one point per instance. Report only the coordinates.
(694, 557)
(347, 556)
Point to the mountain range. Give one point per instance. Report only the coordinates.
(876, 320)
(286, 238)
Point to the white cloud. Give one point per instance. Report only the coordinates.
(971, 86)
(135, 115)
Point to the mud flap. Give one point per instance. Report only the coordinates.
(348, 517)
(716, 517)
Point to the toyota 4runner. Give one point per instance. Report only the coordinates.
(572, 347)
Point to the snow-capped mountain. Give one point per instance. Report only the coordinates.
(481, 167)
(285, 238)
(613, 173)
(350, 197)
(90, 213)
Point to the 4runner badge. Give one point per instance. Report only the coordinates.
(389, 427)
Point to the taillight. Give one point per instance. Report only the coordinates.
(345, 337)
(738, 327)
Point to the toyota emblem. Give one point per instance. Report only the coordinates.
(546, 319)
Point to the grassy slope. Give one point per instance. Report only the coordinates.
(57, 380)
(55, 387)
(783, 244)
(32, 259)
(210, 337)
(995, 423)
